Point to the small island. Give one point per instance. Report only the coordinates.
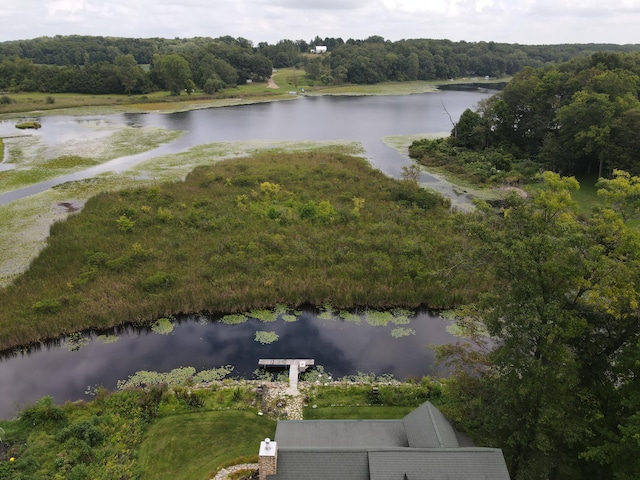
(25, 125)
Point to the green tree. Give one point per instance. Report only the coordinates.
(560, 306)
(128, 72)
(174, 71)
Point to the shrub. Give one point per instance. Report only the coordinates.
(158, 281)
(43, 412)
(309, 211)
(47, 306)
(5, 100)
(164, 215)
(50, 100)
(125, 224)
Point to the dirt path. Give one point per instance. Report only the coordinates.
(271, 83)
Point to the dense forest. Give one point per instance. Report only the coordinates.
(580, 117)
(100, 65)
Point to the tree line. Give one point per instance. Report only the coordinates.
(94, 64)
(207, 64)
(580, 117)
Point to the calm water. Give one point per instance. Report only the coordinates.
(343, 348)
(366, 119)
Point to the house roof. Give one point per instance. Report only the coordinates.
(427, 427)
(339, 433)
(438, 464)
(421, 446)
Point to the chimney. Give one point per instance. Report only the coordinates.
(268, 459)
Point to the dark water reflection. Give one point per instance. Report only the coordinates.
(342, 347)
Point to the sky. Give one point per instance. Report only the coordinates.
(509, 21)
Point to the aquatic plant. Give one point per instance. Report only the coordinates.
(264, 315)
(106, 339)
(377, 318)
(182, 376)
(402, 332)
(266, 338)
(24, 125)
(75, 341)
(234, 319)
(163, 326)
(350, 317)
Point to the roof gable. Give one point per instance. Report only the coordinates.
(427, 427)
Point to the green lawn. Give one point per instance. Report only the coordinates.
(195, 445)
(587, 197)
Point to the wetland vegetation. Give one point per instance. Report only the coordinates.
(291, 229)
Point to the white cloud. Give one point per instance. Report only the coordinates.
(512, 21)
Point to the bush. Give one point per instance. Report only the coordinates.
(158, 281)
(42, 413)
(5, 100)
(50, 100)
(125, 224)
(47, 306)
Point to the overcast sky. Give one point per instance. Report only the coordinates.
(511, 21)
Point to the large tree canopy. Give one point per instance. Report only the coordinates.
(575, 118)
(557, 386)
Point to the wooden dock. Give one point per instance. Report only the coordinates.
(301, 363)
(295, 365)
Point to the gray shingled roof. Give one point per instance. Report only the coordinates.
(341, 433)
(326, 464)
(421, 446)
(427, 427)
(438, 464)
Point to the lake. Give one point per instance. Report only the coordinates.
(366, 119)
(66, 368)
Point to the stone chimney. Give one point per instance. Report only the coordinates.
(268, 459)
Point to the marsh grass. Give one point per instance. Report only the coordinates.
(228, 255)
(26, 222)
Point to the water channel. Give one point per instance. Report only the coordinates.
(64, 371)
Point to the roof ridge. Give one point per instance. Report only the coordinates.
(435, 424)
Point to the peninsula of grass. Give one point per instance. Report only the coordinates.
(249, 233)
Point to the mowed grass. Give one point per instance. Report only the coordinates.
(195, 446)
